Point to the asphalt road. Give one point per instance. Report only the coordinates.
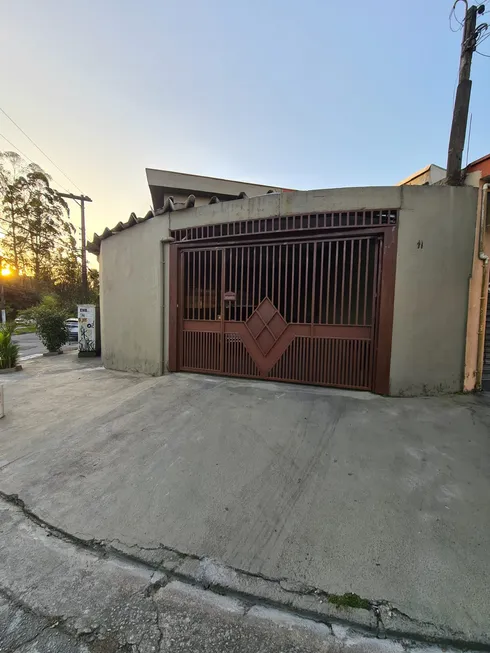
(31, 346)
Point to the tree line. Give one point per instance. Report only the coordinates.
(38, 250)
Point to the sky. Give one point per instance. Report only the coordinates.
(310, 94)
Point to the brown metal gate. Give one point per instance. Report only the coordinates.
(303, 310)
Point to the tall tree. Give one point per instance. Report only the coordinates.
(34, 217)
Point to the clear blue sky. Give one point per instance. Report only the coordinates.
(311, 94)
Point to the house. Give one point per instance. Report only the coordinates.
(429, 175)
(363, 288)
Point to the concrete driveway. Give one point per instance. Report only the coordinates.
(338, 491)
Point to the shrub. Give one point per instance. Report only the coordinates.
(9, 351)
(50, 323)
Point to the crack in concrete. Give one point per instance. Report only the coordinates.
(105, 548)
(157, 622)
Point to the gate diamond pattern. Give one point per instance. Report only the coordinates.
(266, 325)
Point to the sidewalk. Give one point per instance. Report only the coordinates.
(300, 498)
(58, 596)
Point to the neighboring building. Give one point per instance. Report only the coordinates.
(361, 288)
(428, 176)
(477, 357)
(165, 184)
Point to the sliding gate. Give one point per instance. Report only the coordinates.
(301, 310)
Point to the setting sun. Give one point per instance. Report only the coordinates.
(6, 272)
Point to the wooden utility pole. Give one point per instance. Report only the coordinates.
(462, 101)
(82, 199)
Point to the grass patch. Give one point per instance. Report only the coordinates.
(349, 600)
(31, 328)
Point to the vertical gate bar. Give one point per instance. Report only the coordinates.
(343, 285)
(279, 266)
(199, 288)
(260, 277)
(312, 317)
(230, 258)
(247, 314)
(350, 367)
(320, 313)
(358, 287)
(341, 361)
(307, 275)
(185, 281)
(292, 280)
(335, 283)
(349, 315)
(328, 282)
(267, 271)
(236, 283)
(335, 374)
(189, 286)
(286, 284)
(291, 361)
(222, 300)
(205, 284)
(242, 268)
(216, 268)
(193, 283)
(313, 289)
(180, 300)
(254, 268)
(273, 274)
(366, 280)
(377, 243)
(299, 280)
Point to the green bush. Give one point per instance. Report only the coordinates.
(50, 318)
(9, 351)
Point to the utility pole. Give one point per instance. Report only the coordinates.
(462, 101)
(82, 199)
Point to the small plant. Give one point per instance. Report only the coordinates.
(9, 351)
(349, 600)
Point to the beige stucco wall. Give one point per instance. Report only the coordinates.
(131, 298)
(431, 283)
(435, 248)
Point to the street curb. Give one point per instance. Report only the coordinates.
(381, 619)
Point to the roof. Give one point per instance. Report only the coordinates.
(169, 206)
(163, 183)
(478, 161)
(421, 172)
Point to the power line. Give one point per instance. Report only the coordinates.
(42, 151)
(31, 161)
(482, 55)
(32, 233)
(452, 13)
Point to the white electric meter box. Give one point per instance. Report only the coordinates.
(88, 330)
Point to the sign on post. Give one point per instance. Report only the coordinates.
(87, 326)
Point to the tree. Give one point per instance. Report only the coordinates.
(39, 242)
(34, 216)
